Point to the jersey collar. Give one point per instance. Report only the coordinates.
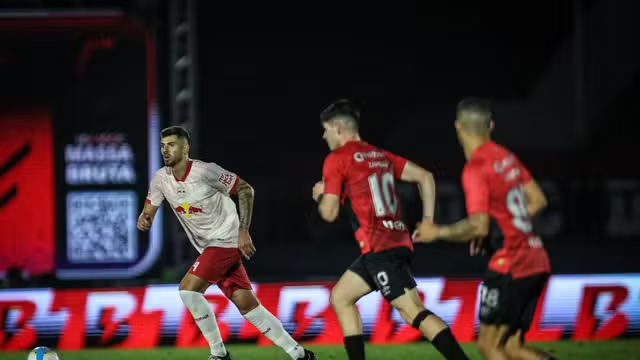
(186, 172)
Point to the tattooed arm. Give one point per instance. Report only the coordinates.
(473, 227)
(229, 183)
(476, 192)
(245, 194)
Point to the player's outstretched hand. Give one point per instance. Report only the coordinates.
(144, 222)
(426, 231)
(245, 244)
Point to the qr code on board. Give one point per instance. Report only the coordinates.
(101, 227)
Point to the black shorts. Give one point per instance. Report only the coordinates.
(508, 301)
(388, 271)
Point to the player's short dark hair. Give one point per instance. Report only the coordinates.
(343, 108)
(475, 105)
(480, 122)
(176, 130)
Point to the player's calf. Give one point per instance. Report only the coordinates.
(350, 323)
(437, 331)
(516, 350)
(344, 296)
(245, 300)
(203, 315)
(490, 342)
(431, 326)
(344, 305)
(248, 304)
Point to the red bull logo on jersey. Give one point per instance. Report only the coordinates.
(187, 210)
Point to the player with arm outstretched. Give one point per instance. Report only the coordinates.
(364, 175)
(497, 185)
(199, 194)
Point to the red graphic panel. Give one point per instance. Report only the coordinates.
(26, 192)
(585, 307)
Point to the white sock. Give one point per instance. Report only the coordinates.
(202, 313)
(272, 328)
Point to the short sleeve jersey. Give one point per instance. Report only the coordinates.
(493, 182)
(201, 201)
(365, 176)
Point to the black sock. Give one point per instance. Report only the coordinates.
(355, 347)
(448, 345)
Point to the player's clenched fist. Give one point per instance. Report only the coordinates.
(144, 222)
(476, 247)
(426, 231)
(318, 189)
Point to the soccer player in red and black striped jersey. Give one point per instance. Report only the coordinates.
(364, 175)
(497, 185)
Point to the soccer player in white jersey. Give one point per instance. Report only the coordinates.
(199, 194)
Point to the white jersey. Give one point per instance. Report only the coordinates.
(201, 202)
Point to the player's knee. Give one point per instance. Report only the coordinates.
(339, 299)
(192, 287)
(185, 284)
(486, 345)
(512, 351)
(245, 301)
(418, 319)
(193, 283)
(513, 345)
(335, 299)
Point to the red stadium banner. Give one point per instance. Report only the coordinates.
(586, 307)
(27, 217)
(89, 139)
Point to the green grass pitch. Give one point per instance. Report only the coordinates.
(593, 350)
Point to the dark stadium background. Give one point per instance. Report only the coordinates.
(563, 78)
(86, 86)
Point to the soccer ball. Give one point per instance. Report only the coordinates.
(42, 353)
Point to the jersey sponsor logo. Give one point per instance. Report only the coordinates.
(204, 317)
(379, 165)
(501, 165)
(226, 179)
(187, 210)
(394, 225)
(535, 242)
(360, 157)
(512, 175)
